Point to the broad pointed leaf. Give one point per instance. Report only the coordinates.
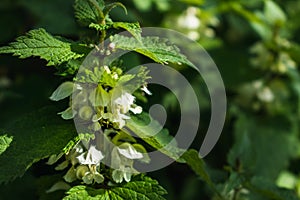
(139, 188)
(89, 11)
(158, 49)
(40, 43)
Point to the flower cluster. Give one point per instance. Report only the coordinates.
(99, 96)
(102, 99)
(268, 59)
(86, 162)
(195, 23)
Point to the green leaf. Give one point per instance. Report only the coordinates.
(36, 136)
(192, 159)
(67, 114)
(110, 6)
(86, 137)
(262, 189)
(82, 136)
(273, 13)
(163, 5)
(133, 28)
(139, 188)
(89, 11)
(82, 192)
(63, 91)
(40, 43)
(254, 142)
(143, 5)
(99, 97)
(69, 68)
(261, 28)
(134, 80)
(193, 2)
(100, 27)
(158, 49)
(197, 164)
(238, 8)
(4, 142)
(256, 19)
(154, 135)
(45, 183)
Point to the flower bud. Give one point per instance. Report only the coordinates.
(81, 171)
(85, 112)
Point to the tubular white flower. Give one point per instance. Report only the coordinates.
(130, 152)
(107, 69)
(119, 118)
(92, 157)
(145, 89)
(122, 159)
(136, 110)
(124, 102)
(122, 105)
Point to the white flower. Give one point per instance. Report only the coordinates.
(121, 106)
(193, 35)
(78, 86)
(122, 159)
(136, 109)
(145, 89)
(123, 173)
(107, 69)
(189, 20)
(124, 102)
(119, 118)
(115, 76)
(92, 157)
(129, 152)
(266, 95)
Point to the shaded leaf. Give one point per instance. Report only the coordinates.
(139, 188)
(153, 134)
(263, 189)
(263, 147)
(89, 11)
(192, 158)
(109, 7)
(36, 136)
(40, 43)
(133, 28)
(4, 142)
(63, 91)
(273, 13)
(158, 49)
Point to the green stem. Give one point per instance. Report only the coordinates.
(235, 194)
(103, 35)
(102, 19)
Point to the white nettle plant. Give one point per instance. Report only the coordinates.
(105, 108)
(102, 100)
